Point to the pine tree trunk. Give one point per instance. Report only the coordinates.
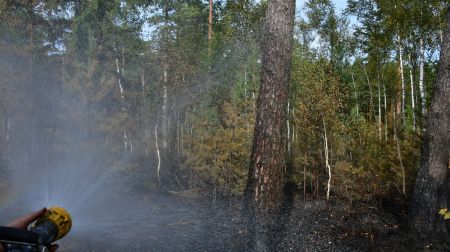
(210, 20)
(210, 25)
(264, 190)
(431, 188)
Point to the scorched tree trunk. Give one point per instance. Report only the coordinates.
(263, 194)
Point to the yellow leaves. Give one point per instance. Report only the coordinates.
(445, 213)
(219, 153)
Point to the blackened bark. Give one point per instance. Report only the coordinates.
(263, 194)
(431, 188)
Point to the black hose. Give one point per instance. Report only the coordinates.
(18, 236)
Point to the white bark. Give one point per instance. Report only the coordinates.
(245, 83)
(143, 105)
(379, 107)
(164, 109)
(356, 96)
(293, 126)
(370, 91)
(125, 139)
(326, 160)
(158, 168)
(121, 90)
(399, 154)
(421, 78)
(120, 82)
(402, 78)
(413, 103)
(131, 141)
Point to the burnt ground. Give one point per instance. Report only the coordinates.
(315, 225)
(318, 225)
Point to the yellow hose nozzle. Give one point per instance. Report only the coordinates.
(58, 216)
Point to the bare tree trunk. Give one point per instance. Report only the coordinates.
(122, 96)
(402, 77)
(421, 79)
(288, 133)
(158, 168)
(399, 155)
(356, 96)
(165, 116)
(143, 105)
(304, 177)
(210, 20)
(264, 190)
(385, 112)
(370, 92)
(210, 26)
(379, 106)
(413, 103)
(431, 188)
(327, 164)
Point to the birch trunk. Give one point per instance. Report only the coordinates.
(327, 164)
(399, 155)
(385, 112)
(379, 106)
(158, 168)
(356, 96)
(413, 103)
(402, 77)
(370, 92)
(421, 78)
(165, 116)
(143, 105)
(122, 97)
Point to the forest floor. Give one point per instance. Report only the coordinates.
(189, 224)
(314, 225)
(318, 225)
(335, 226)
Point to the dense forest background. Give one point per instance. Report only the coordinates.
(166, 91)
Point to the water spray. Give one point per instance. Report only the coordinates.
(52, 226)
